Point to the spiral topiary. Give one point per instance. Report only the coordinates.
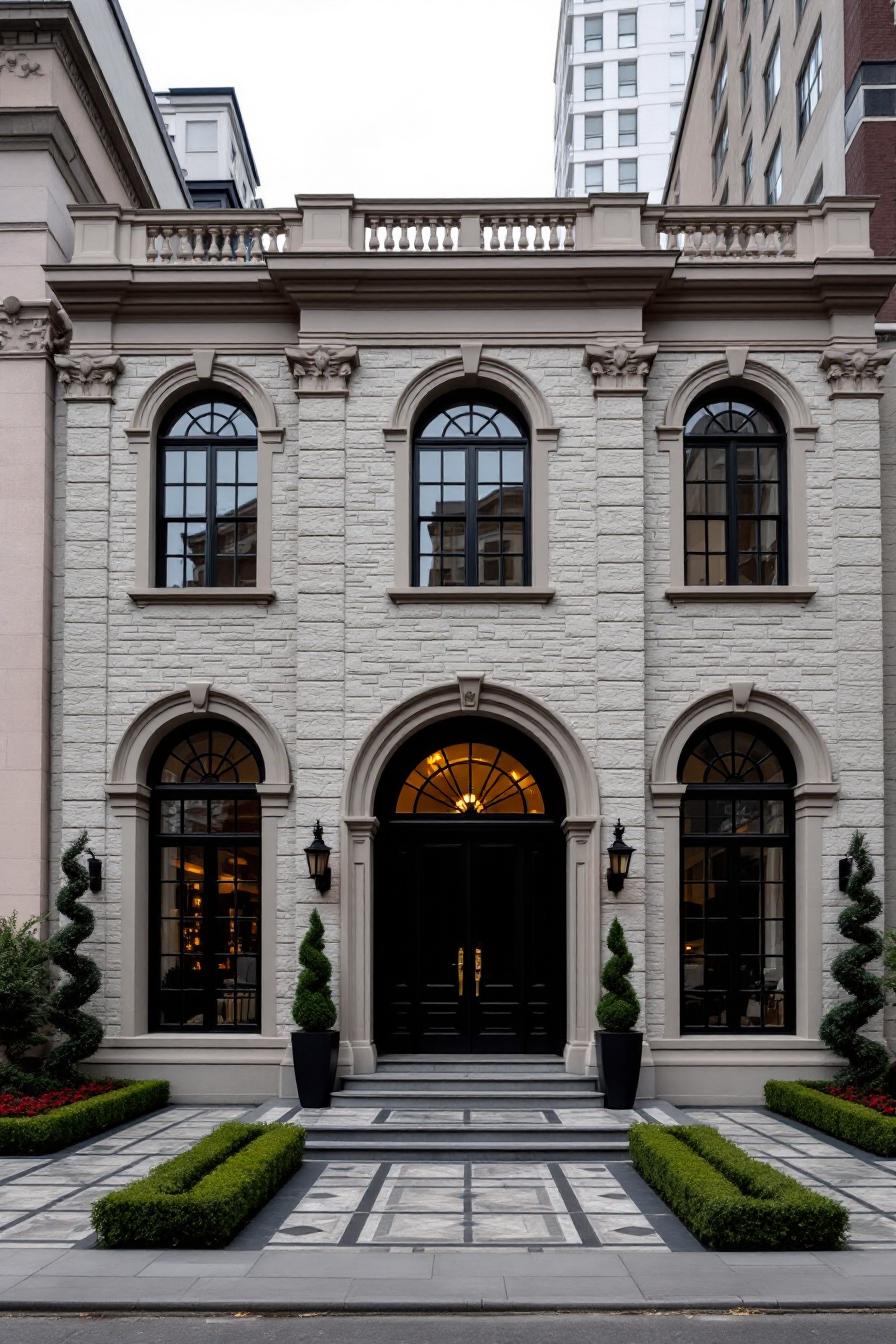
(83, 1032)
(618, 1007)
(866, 1060)
(313, 1008)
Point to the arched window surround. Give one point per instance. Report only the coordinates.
(814, 795)
(179, 383)
(129, 795)
(471, 371)
(732, 372)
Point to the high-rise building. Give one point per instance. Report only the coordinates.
(620, 73)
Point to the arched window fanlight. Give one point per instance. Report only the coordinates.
(207, 533)
(733, 755)
(471, 495)
(470, 779)
(735, 492)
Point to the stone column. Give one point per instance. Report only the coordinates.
(29, 334)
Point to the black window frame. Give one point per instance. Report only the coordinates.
(733, 843)
(733, 515)
(211, 444)
(210, 842)
(472, 445)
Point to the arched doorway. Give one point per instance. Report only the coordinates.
(469, 920)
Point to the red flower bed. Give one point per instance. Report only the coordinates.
(876, 1101)
(14, 1104)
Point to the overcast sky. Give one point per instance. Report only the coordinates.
(375, 97)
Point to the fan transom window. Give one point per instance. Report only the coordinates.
(470, 779)
(210, 756)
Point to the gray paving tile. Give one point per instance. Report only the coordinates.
(547, 1291)
(571, 1261)
(105, 1290)
(472, 1291)
(347, 1262)
(92, 1262)
(245, 1293)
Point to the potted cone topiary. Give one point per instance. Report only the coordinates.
(315, 1047)
(618, 1045)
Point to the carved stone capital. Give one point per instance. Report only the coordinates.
(322, 368)
(88, 377)
(18, 63)
(855, 373)
(619, 368)
(33, 328)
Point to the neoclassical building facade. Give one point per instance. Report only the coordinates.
(467, 529)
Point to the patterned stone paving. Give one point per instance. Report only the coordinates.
(343, 1117)
(864, 1183)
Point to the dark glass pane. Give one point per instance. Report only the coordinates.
(454, 466)
(693, 1010)
(716, 499)
(695, 501)
(695, 570)
(512, 465)
(223, 814)
(693, 815)
(716, 1010)
(719, 815)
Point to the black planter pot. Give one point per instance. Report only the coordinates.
(314, 1056)
(619, 1053)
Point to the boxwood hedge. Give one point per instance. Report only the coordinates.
(203, 1197)
(51, 1130)
(846, 1120)
(728, 1200)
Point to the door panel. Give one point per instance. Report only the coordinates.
(469, 887)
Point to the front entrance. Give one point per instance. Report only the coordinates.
(469, 915)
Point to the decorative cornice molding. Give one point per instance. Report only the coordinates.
(855, 373)
(619, 368)
(33, 328)
(88, 377)
(79, 84)
(322, 368)
(19, 64)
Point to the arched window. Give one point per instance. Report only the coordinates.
(207, 532)
(205, 918)
(471, 496)
(470, 779)
(735, 492)
(737, 881)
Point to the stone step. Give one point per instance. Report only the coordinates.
(470, 1064)
(472, 1147)
(412, 1083)
(431, 1098)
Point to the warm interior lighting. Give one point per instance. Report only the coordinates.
(468, 802)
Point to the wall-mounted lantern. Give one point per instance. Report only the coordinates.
(94, 872)
(620, 857)
(318, 856)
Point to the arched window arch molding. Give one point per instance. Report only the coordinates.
(801, 434)
(129, 795)
(583, 871)
(461, 373)
(175, 384)
(815, 795)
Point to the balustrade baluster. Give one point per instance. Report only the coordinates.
(389, 239)
(419, 242)
(256, 251)
(569, 237)
(199, 245)
(720, 248)
(553, 235)
(239, 253)
(184, 252)
(227, 246)
(214, 250)
(788, 244)
(404, 241)
(373, 241)
(152, 234)
(448, 238)
(736, 248)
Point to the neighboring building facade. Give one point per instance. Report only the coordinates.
(620, 72)
(209, 136)
(467, 529)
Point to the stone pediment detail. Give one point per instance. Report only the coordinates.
(88, 377)
(619, 367)
(322, 368)
(857, 373)
(18, 63)
(33, 328)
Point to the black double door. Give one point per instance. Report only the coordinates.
(469, 937)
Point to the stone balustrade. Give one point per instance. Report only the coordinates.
(612, 225)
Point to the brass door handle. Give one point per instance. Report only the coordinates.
(460, 972)
(477, 968)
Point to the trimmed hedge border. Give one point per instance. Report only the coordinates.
(203, 1197)
(728, 1200)
(847, 1120)
(51, 1130)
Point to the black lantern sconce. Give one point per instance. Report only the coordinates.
(94, 872)
(844, 873)
(620, 857)
(318, 856)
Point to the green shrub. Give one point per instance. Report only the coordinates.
(203, 1197)
(24, 994)
(52, 1130)
(81, 1033)
(618, 1006)
(846, 1120)
(313, 1008)
(728, 1200)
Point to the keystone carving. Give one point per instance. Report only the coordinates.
(325, 368)
(18, 64)
(33, 329)
(619, 368)
(854, 372)
(88, 377)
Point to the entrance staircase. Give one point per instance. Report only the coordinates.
(468, 1107)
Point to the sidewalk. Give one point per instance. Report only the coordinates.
(354, 1279)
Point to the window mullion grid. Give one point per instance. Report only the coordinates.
(471, 517)
(731, 522)
(210, 1015)
(211, 528)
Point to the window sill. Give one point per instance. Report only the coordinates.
(147, 597)
(743, 593)
(402, 596)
